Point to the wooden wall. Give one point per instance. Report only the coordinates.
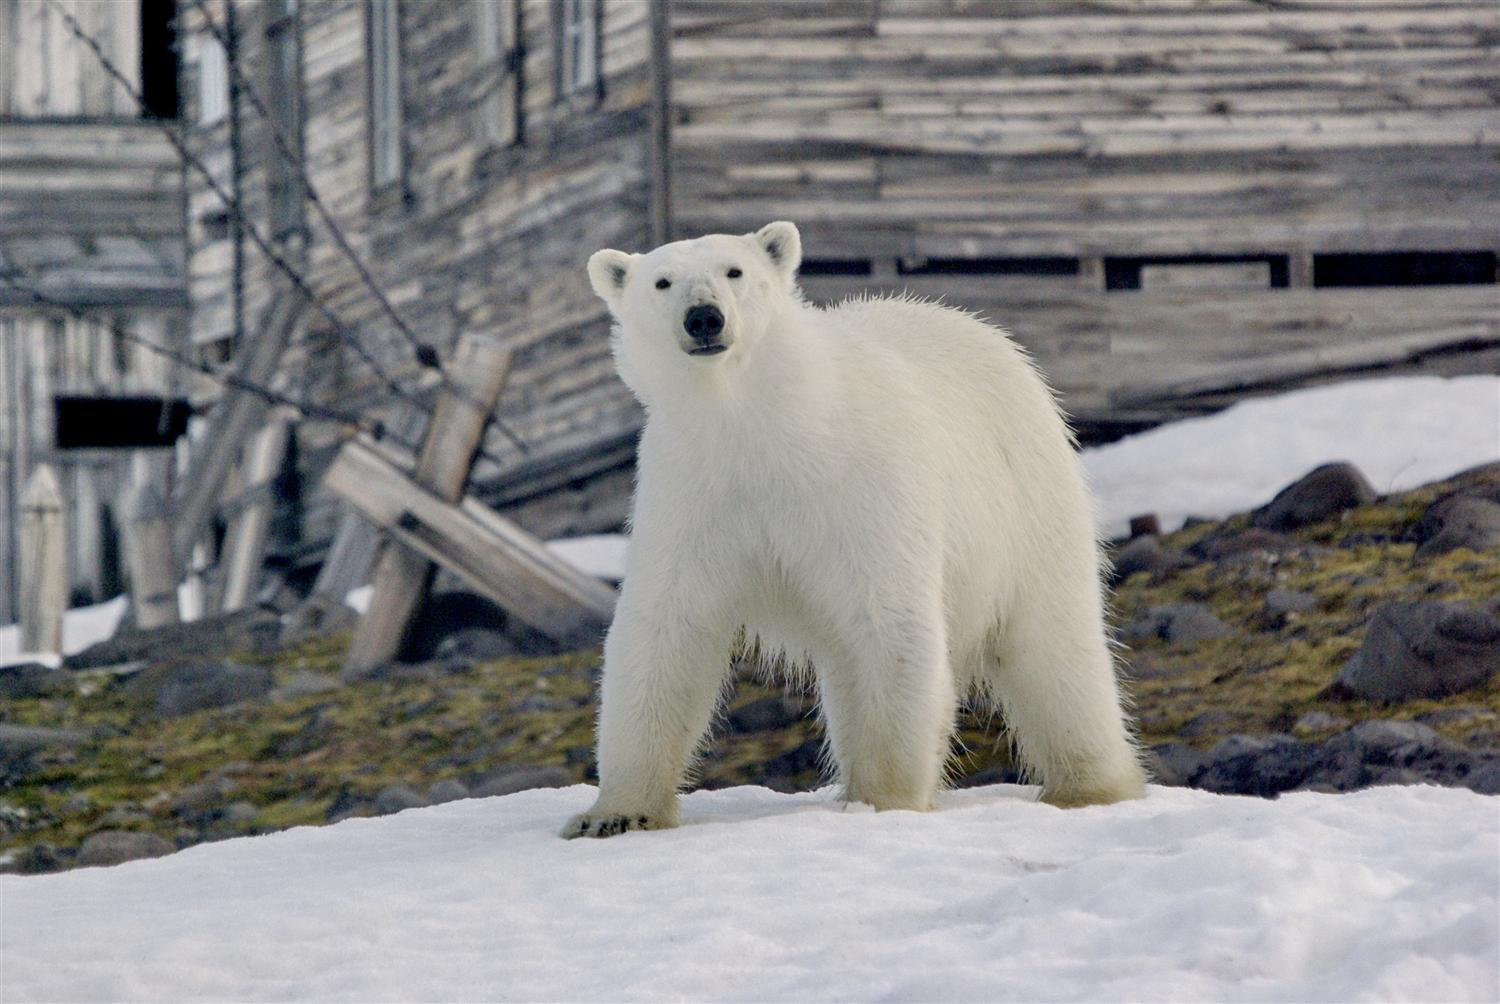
(920, 135)
(90, 214)
(477, 238)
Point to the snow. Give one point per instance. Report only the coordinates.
(82, 627)
(1401, 432)
(1390, 893)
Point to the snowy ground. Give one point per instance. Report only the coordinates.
(1388, 894)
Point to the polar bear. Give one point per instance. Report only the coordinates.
(885, 494)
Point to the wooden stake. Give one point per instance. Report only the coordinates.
(478, 371)
(245, 544)
(148, 557)
(44, 563)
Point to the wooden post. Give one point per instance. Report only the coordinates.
(239, 412)
(491, 554)
(44, 563)
(245, 543)
(478, 370)
(148, 557)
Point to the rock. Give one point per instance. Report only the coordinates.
(13, 819)
(17, 742)
(31, 679)
(1321, 493)
(1485, 779)
(1251, 765)
(113, 847)
(808, 756)
(448, 790)
(509, 780)
(239, 813)
(184, 689)
(1317, 721)
(395, 798)
(201, 799)
(305, 684)
(1177, 622)
(1143, 554)
(125, 814)
(454, 623)
(1006, 774)
(1250, 541)
(476, 644)
(317, 617)
(1456, 521)
(1421, 649)
(1173, 763)
(37, 860)
(250, 630)
(1289, 601)
(77, 804)
(764, 714)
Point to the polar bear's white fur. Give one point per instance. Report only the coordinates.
(884, 491)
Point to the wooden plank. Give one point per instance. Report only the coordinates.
(238, 414)
(488, 552)
(44, 563)
(249, 527)
(150, 568)
(477, 374)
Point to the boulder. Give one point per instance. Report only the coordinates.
(250, 630)
(1470, 521)
(113, 847)
(1321, 493)
(1421, 649)
(1143, 554)
(509, 780)
(1280, 602)
(1251, 541)
(184, 689)
(30, 679)
(397, 797)
(20, 741)
(447, 790)
(1177, 622)
(1173, 764)
(765, 714)
(1255, 765)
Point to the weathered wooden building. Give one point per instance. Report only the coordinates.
(90, 216)
(1167, 200)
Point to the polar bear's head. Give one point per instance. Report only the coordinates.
(696, 303)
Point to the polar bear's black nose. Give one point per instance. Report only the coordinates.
(703, 322)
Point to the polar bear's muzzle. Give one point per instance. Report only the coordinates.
(704, 325)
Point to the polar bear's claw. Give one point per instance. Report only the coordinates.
(587, 825)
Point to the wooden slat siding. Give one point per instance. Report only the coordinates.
(485, 240)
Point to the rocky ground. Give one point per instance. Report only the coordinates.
(1329, 641)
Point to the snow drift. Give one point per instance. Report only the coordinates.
(1389, 893)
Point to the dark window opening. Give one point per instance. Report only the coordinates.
(834, 266)
(111, 423)
(1406, 268)
(1125, 273)
(159, 96)
(989, 266)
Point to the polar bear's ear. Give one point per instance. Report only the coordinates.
(608, 270)
(782, 244)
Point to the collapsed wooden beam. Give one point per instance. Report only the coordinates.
(487, 551)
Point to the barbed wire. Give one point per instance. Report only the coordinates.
(425, 353)
(233, 206)
(372, 427)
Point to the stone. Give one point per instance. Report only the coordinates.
(1456, 521)
(185, 689)
(764, 714)
(396, 798)
(1249, 541)
(1173, 764)
(447, 790)
(202, 798)
(1143, 554)
(509, 780)
(1320, 494)
(1419, 650)
(1002, 774)
(317, 617)
(1253, 765)
(1177, 622)
(31, 679)
(113, 847)
(253, 629)
(1317, 721)
(806, 757)
(1289, 601)
(239, 813)
(1485, 778)
(305, 684)
(18, 742)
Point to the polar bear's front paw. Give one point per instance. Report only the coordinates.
(608, 824)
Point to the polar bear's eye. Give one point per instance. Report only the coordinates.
(663, 283)
(735, 273)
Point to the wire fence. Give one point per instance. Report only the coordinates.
(425, 355)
